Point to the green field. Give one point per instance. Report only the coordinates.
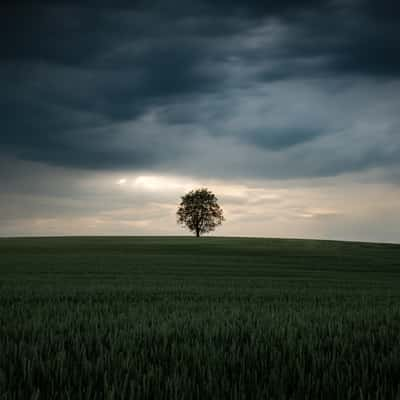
(187, 318)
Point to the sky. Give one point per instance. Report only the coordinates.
(289, 111)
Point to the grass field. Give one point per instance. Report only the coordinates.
(187, 318)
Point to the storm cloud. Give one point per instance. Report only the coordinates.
(90, 85)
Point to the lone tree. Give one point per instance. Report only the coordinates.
(199, 211)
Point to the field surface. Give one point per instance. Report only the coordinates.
(187, 318)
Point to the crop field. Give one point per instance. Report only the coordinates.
(208, 318)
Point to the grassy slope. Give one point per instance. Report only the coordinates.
(214, 317)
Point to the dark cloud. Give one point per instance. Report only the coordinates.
(282, 138)
(145, 84)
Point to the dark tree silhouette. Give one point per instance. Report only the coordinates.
(199, 211)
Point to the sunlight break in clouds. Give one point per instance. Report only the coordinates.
(162, 183)
(121, 181)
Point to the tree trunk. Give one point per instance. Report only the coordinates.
(197, 232)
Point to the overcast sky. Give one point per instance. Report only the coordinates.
(288, 110)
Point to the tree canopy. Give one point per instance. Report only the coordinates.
(199, 211)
